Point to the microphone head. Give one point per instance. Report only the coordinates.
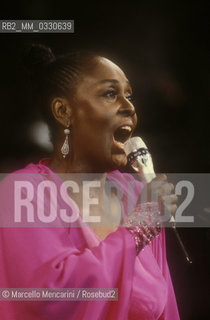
(139, 158)
(134, 144)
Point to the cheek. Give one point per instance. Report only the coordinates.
(93, 111)
(93, 125)
(93, 137)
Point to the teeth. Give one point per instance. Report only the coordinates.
(126, 128)
(122, 134)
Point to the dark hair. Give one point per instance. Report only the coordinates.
(52, 76)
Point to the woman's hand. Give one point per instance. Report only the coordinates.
(159, 189)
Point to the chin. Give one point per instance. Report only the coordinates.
(114, 162)
(119, 161)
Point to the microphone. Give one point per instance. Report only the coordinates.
(140, 160)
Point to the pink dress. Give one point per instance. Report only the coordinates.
(61, 257)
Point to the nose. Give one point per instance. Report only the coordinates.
(126, 108)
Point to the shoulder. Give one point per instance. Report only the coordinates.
(31, 172)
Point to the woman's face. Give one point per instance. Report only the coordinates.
(103, 117)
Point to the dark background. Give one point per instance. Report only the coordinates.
(163, 48)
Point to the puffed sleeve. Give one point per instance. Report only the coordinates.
(50, 257)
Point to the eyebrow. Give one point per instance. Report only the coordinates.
(112, 81)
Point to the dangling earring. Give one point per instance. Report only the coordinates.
(65, 147)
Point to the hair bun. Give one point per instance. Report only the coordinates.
(38, 57)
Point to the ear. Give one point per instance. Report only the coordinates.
(61, 110)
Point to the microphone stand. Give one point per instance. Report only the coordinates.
(180, 240)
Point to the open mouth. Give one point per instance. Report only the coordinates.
(122, 134)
